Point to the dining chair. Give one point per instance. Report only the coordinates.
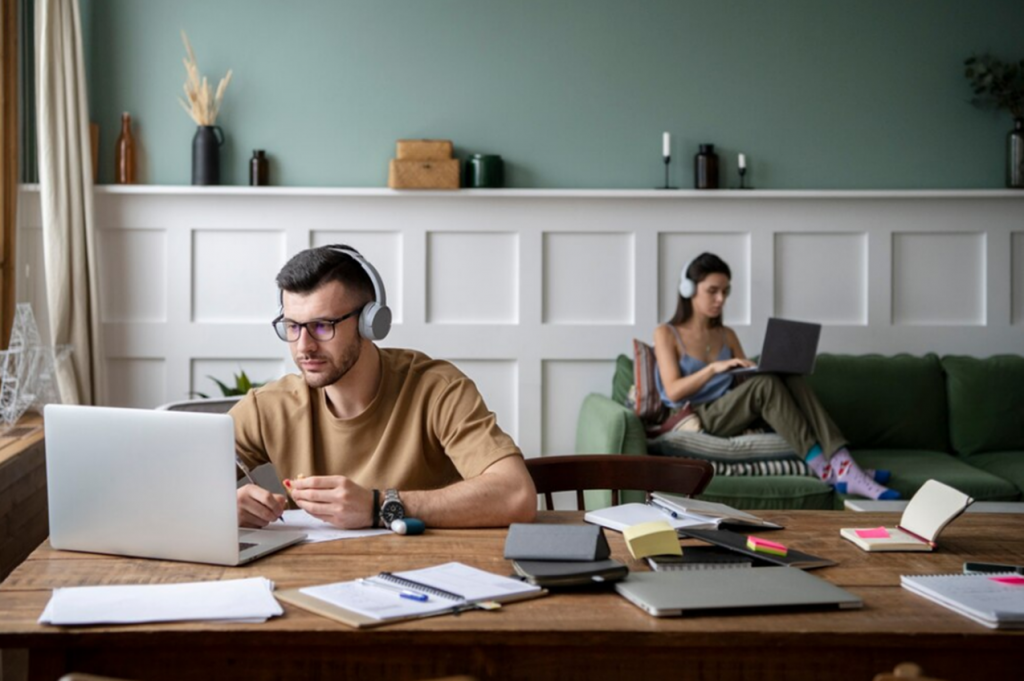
(617, 472)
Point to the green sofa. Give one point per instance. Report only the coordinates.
(957, 419)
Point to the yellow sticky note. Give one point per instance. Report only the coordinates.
(652, 539)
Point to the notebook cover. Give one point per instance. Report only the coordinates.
(556, 542)
(552, 573)
(701, 558)
(738, 542)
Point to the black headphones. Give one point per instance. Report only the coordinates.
(375, 319)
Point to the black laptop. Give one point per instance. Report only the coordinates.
(789, 348)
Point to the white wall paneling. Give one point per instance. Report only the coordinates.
(1017, 264)
(534, 292)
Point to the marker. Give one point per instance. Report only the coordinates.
(402, 593)
(408, 526)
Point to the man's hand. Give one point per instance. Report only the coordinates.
(334, 499)
(257, 507)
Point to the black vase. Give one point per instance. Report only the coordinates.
(206, 154)
(1015, 156)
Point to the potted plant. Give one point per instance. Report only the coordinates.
(1000, 85)
(242, 386)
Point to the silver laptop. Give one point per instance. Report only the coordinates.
(789, 348)
(155, 484)
(666, 594)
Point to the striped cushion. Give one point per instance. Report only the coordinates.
(776, 467)
(647, 400)
(739, 449)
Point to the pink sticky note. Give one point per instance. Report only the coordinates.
(765, 546)
(1012, 580)
(874, 533)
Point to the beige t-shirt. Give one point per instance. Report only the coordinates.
(426, 428)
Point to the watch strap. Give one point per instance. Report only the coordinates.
(376, 508)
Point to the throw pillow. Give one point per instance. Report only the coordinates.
(773, 467)
(739, 449)
(648, 404)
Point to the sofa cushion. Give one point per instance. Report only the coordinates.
(770, 493)
(646, 399)
(623, 379)
(891, 402)
(1007, 465)
(741, 448)
(911, 468)
(986, 403)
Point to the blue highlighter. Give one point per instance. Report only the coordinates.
(408, 526)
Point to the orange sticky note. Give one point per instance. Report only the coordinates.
(765, 546)
(874, 533)
(1012, 580)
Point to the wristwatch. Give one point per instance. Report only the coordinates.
(392, 508)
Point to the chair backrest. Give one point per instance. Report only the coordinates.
(213, 405)
(615, 472)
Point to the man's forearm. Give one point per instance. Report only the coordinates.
(502, 495)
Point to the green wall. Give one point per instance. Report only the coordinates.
(865, 94)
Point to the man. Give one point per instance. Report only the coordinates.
(367, 435)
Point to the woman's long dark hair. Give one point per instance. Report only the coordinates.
(703, 265)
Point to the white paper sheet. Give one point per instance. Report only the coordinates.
(239, 600)
(317, 530)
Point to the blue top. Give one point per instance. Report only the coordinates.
(717, 386)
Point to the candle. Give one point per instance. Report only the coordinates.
(743, 161)
(666, 144)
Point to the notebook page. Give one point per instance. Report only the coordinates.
(469, 582)
(980, 597)
(932, 508)
(376, 603)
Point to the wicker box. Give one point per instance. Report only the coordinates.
(424, 150)
(442, 174)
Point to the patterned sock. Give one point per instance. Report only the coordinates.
(879, 475)
(849, 478)
(818, 464)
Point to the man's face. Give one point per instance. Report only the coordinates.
(321, 362)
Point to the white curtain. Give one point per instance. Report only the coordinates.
(65, 183)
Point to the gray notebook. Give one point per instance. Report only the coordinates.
(665, 594)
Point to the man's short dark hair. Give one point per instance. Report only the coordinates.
(314, 267)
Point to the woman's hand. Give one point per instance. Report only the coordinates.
(721, 366)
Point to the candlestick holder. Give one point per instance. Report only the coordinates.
(743, 179)
(668, 160)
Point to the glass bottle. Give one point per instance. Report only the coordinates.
(1015, 156)
(259, 169)
(124, 155)
(705, 168)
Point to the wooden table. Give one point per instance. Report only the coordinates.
(565, 636)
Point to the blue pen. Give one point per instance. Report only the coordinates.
(402, 593)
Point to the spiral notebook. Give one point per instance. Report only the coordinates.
(393, 597)
(995, 600)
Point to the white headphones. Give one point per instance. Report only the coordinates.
(375, 319)
(686, 285)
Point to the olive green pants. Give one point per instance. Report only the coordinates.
(786, 403)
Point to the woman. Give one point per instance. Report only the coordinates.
(695, 352)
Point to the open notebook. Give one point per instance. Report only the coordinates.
(394, 597)
(933, 507)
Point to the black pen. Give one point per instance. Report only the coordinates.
(248, 476)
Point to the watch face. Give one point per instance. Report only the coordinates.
(392, 510)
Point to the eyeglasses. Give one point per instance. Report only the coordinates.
(318, 329)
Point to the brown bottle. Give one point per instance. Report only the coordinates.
(124, 157)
